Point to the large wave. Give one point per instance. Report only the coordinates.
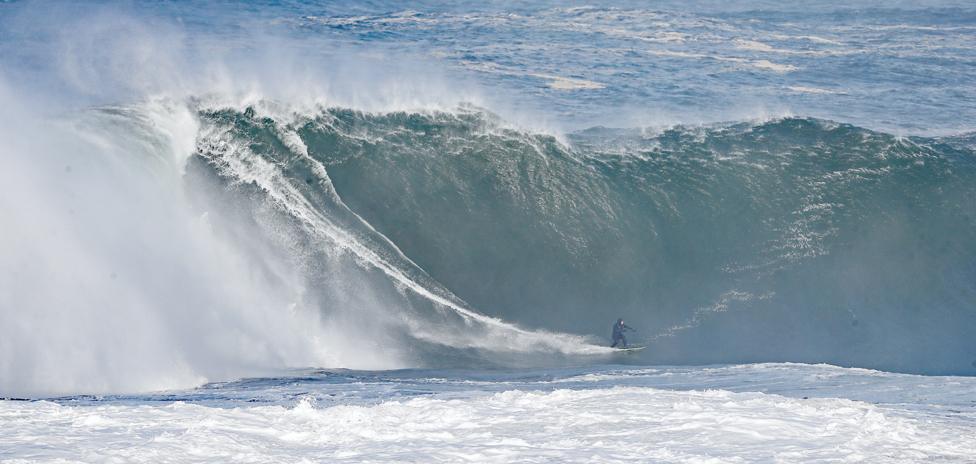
(174, 214)
(154, 246)
(212, 242)
(794, 238)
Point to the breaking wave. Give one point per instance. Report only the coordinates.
(789, 239)
(186, 242)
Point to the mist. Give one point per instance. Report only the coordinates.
(137, 259)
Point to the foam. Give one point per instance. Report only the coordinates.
(565, 83)
(775, 67)
(813, 90)
(631, 424)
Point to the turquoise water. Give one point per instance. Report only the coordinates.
(794, 239)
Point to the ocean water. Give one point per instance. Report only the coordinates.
(377, 231)
(741, 413)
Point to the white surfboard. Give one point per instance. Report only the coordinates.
(631, 349)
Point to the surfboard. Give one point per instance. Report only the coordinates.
(631, 349)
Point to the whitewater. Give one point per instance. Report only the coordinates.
(347, 232)
(745, 413)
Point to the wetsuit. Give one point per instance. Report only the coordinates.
(618, 334)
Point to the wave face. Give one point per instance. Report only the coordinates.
(198, 194)
(794, 239)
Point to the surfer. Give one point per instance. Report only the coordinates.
(618, 333)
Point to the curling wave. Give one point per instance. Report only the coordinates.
(191, 242)
(789, 239)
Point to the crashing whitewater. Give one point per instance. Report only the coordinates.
(256, 238)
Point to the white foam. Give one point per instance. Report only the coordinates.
(813, 90)
(554, 81)
(598, 425)
(753, 45)
(758, 64)
(775, 67)
(816, 39)
(566, 83)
